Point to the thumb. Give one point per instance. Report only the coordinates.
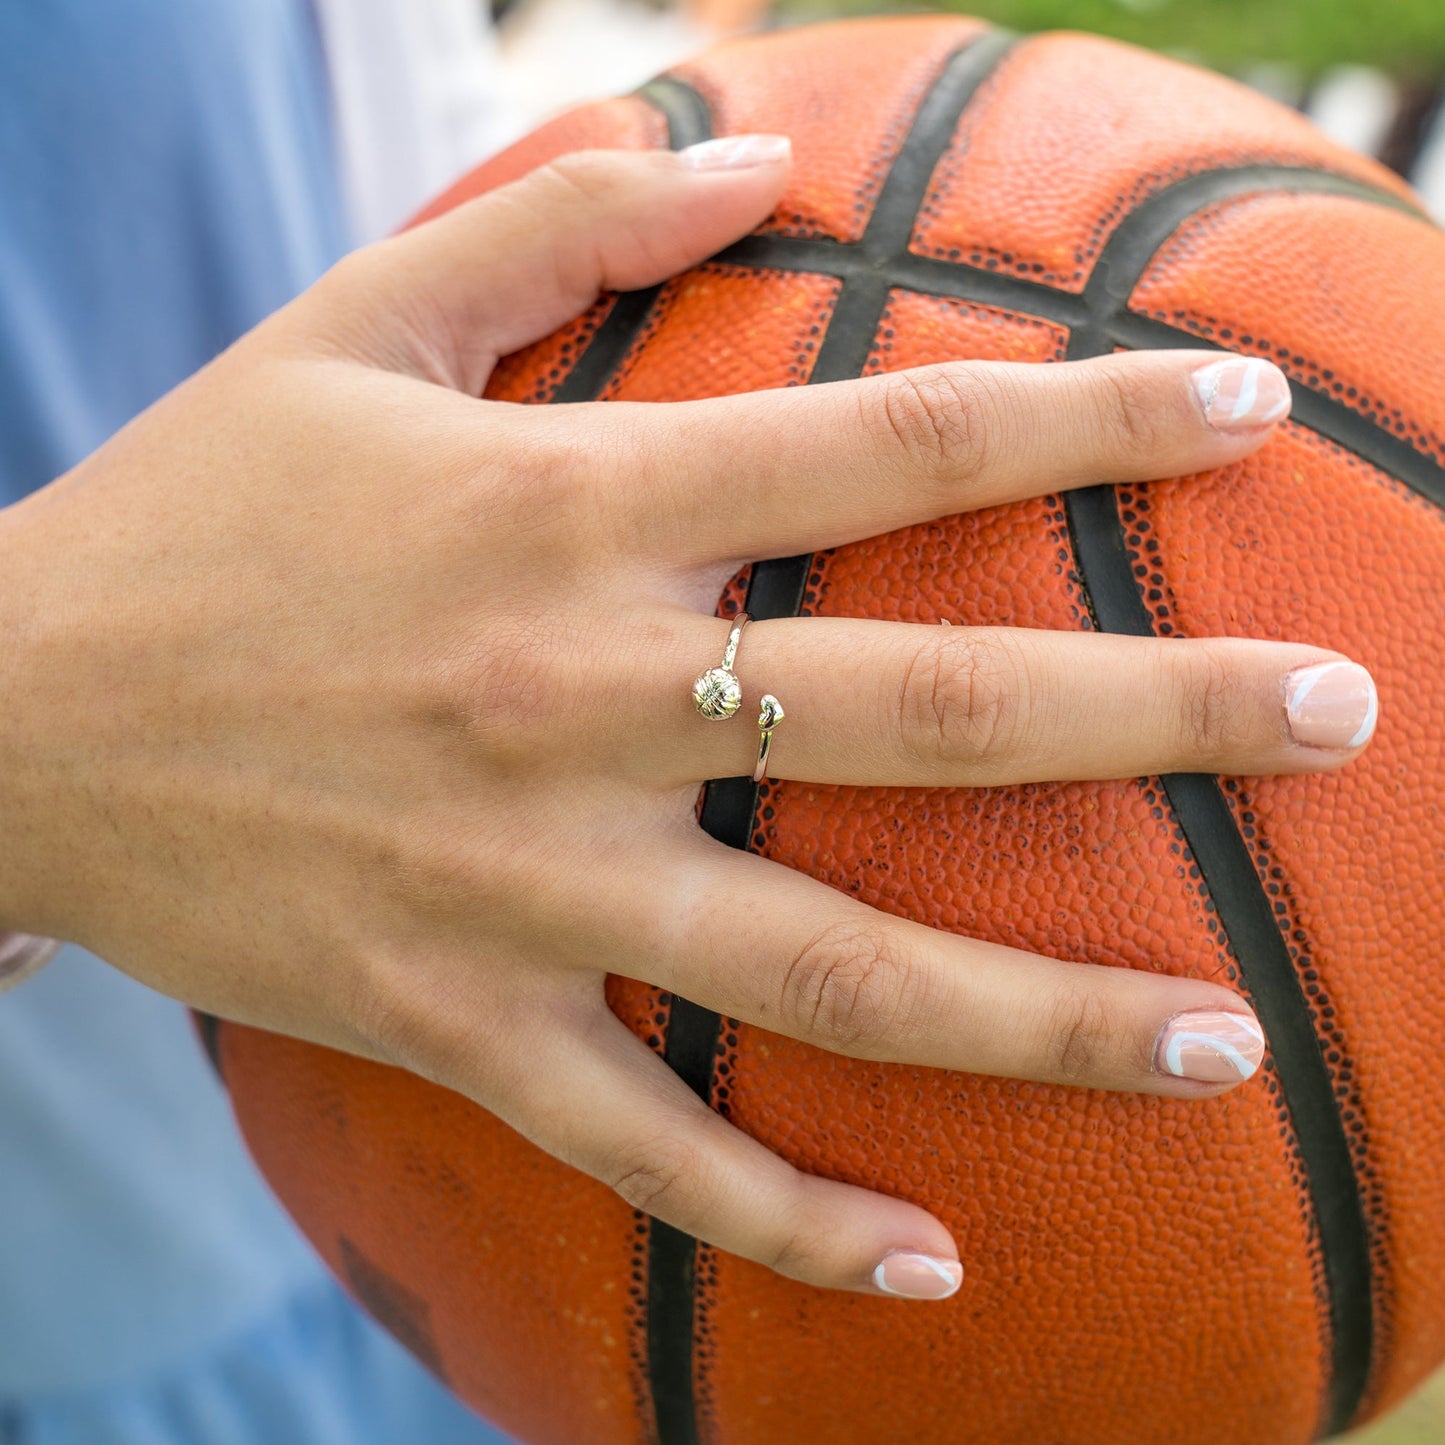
(510, 266)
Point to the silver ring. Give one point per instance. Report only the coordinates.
(717, 693)
(771, 715)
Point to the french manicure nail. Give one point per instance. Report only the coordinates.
(1210, 1046)
(1241, 393)
(1331, 705)
(917, 1276)
(737, 152)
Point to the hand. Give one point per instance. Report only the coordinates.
(324, 683)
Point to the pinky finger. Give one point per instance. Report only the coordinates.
(600, 1099)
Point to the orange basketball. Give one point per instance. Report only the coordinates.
(1265, 1267)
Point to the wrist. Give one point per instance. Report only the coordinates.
(29, 783)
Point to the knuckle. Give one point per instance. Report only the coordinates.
(499, 694)
(849, 986)
(658, 1176)
(390, 1024)
(934, 414)
(448, 868)
(958, 703)
(796, 1253)
(586, 176)
(1214, 722)
(410, 1026)
(1081, 1034)
(539, 494)
(630, 483)
(1133, 421)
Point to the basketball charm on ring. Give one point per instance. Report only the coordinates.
(717, 693)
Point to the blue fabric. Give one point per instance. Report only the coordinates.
(135, 1230)
(309, 1374)
(166, 180)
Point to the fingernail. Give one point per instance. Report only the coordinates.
(917, 1276)
(1241, 393)
(1210, 1046)
(737, 152)
(1331, 705)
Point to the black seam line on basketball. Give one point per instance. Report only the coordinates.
(689, 117)
(868, 272)
(1112, 592)
(688, 121)
(667, 1326)
(208, 1026)
(933, 276)
(853, 326)
(1335, 420)
(776, 586)
(926, 275)
(1137, 238)
(775, 589)
(1226, 866)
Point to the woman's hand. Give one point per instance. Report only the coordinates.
(351, 706)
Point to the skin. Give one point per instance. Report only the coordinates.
(346, 704)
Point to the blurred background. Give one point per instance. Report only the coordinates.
(1371, 76)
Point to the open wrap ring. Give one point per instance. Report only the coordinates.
(717, 694)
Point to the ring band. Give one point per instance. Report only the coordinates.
(771, 715)
(717, 693)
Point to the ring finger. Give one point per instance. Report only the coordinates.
(901, 704)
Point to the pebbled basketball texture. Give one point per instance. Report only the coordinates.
(1264, 1267)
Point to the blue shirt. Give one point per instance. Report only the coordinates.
(166, 180)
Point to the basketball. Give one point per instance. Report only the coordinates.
(1267, 1266)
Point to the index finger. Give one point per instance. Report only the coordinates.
(776, 473)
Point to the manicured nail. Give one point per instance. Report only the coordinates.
(1241, 393)
(1210, 1046)
(737, 152)
(1332, 705)
(918, 1276)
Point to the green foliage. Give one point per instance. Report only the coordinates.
(1403, 36)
